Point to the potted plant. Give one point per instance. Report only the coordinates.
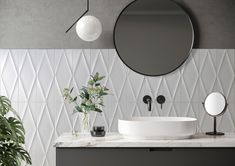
(91, 99)
(11, 136)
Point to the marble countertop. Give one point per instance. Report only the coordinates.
(116, 140)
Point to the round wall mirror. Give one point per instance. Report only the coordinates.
(215, 105)
(153, 37)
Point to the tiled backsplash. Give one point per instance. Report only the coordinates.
(34, 80)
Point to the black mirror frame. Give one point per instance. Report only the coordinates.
(152, 75)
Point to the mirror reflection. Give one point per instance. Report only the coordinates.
(153, 37)
(215, 104)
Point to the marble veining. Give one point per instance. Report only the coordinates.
(116, 140)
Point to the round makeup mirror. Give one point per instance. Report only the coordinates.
(153, 37)
(215, 105)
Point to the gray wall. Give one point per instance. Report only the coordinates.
(42, 23)
(214, 22)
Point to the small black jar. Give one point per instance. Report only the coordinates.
(98, 131)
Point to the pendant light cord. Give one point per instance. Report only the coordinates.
(87, 9)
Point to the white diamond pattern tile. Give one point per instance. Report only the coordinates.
(45, 128)
(45, 76)
(224, 74)
(190, 78)
(208, 73)
(63, 71)
(9, 78)
(81, 70)
(27, 77)
(34, 79)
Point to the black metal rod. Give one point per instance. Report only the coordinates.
(215, 130)
(87, 9)
(149, 104)
(87, 5)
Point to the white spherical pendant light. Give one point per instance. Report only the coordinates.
(89, 28)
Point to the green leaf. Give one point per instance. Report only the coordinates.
(75, 98)
(97, 84)
(106, 89)
(77, 109)
(98, 110)
(5, 105)
(103, 93)
(11, 136)
(11, 154)
(85, 93)
(71, 90)
(23, 154)
(18, 129)
(13, 129)
(100, 78)
(92, 77)
(7, 133)
(96, 76)
(101, 104)
(65, 91)
(91, 107)
(83, 104)
(82, 95)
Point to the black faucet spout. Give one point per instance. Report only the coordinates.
(148, 100)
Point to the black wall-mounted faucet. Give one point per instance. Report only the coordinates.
(148, 100)
(161, 100)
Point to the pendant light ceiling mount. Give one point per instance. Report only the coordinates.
(88, 27)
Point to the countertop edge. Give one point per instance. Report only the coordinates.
(115, 140)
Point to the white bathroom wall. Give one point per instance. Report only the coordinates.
(34, 80)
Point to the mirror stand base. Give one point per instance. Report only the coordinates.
(214, 133)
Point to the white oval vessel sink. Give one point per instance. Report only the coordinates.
(157, 127)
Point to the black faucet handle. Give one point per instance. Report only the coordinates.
(161, 100)
(148, 100)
